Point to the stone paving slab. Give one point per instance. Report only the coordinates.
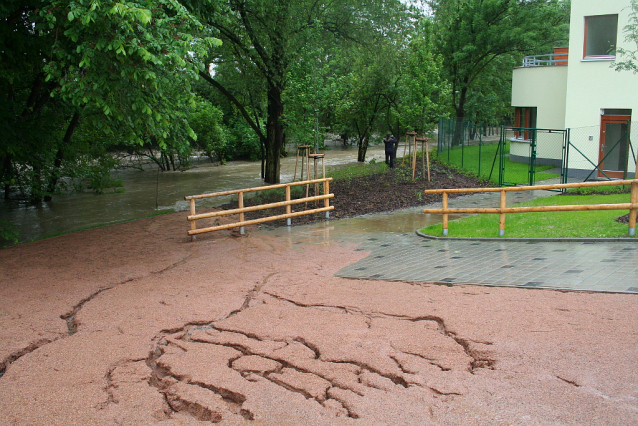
(585, 266)
(599, 266)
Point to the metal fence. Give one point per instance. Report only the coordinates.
(594, 153)
(526, 155)
(466, 145)
(523, 156)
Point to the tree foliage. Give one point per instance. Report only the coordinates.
(273, 41)
(117, 68)
(629, 57)
(471, 35)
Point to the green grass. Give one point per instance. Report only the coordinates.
(357, 170)
(613, 189)
(467, 158)
(575, 224)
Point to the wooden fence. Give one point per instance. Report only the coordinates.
(193, 217)
(632, 206)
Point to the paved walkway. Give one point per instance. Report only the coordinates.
(591, 266)
(400, 254)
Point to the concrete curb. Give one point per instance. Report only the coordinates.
(539, 240)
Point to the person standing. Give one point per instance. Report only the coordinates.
(391, 146)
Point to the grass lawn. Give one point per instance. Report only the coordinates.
(585, 224)
(357, 170)
(467, 158)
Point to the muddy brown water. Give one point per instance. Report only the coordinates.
(148, 192)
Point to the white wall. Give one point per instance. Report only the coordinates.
(544, 88)
(593, 85)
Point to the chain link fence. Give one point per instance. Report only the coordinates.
(526, 156)
(595, 153)
(505, 155)
(467, 146)
(529, 155)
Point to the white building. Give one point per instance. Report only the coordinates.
(577, 88)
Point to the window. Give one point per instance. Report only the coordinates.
(600, 37)
(607, 111)
(525, 118)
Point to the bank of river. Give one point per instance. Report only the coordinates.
(150, 192)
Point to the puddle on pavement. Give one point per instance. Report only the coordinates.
(355, 229)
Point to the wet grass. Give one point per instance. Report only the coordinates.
(485, 165)
(576, 224)
(358, 170)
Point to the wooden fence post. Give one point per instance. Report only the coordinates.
(501, 224)
(193, 224)
(288, 207)
(444, 214)
(633, 212)
(326, 202)
(240, 204)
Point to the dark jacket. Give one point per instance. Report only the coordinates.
(391, 144)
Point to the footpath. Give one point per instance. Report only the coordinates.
(588, 265)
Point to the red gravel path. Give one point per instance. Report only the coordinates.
(133, 325)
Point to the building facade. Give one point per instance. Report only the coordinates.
(577, 88)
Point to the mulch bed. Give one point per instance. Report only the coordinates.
(383, 192)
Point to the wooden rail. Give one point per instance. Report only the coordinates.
(193, 217)
(632, 206)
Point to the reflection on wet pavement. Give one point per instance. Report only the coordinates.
(397, 253)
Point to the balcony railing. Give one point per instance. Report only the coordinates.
(545, 60)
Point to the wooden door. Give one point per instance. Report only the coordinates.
(614, 146)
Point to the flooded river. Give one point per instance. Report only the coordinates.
(148, 192)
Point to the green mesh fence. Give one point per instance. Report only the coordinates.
(529, 156)
(467, 146)
(505, 155)
(594, 153)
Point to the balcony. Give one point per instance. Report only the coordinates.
(559, 57)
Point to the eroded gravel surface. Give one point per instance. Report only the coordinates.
(133, 324)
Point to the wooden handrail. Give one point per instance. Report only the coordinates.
(260, 207)
(532, 188)
(193, 217)
(632, 206)
(258, 188)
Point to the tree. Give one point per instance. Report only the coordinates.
(118, 68)
(265, 38)
(371, 87)
(423, 93)
(630, 58)
(471, 34)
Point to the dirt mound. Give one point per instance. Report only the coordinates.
(383, 192)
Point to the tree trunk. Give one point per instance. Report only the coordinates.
(363, 148)
(36, 185)
(460, 117)
(55, 175)
(262, 144)
(274, 135)
(6, 176)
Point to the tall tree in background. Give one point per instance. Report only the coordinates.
(423, 92)
(264, 38)
(471, 34)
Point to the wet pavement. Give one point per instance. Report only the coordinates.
(398, 253)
